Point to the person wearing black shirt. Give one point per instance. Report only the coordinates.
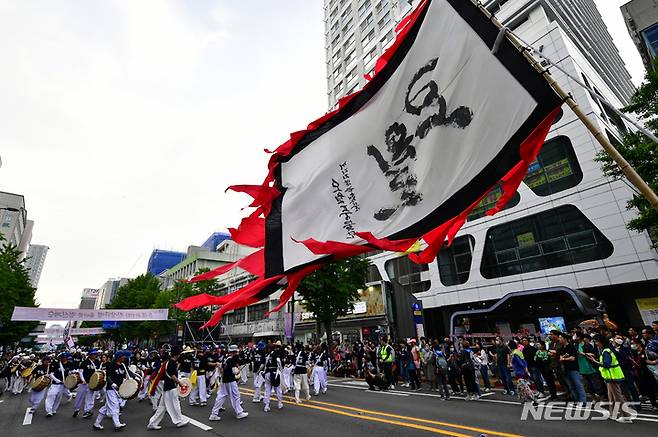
(244, 360)
(37, 396)
(85, 396)
(186, 360)
(229, 386)
(259, 367)
(199, 395)
(170, 402)
(58, 373)
(300, 377)
(321, 363)
(272, 375)
(569, 359)
(115, 373)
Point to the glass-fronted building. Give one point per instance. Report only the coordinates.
(562, 239)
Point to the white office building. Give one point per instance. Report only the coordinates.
(561, 246)
(36, 257)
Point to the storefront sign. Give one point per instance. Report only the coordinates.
(648, 308)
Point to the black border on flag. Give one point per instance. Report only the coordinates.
(507, 158)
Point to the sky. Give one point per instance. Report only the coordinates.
(123, 122)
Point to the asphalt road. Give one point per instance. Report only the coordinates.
(347, 409)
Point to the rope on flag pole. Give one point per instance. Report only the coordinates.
(625, 167)
(588, 88)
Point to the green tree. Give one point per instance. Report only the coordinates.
(330, 292)
(641, 153)
(15, 290)
(142, 292)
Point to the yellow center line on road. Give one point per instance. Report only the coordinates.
(398, 416)
(372, 419)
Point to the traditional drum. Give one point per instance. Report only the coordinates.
(185, 388)
(72, 381)
(130, 387)
(27, 372)
(97, 380)
(41, 383)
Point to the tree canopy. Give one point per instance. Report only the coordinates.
(331, 291)
(641, 153)
(15, 290)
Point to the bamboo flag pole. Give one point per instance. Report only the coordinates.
(625, 167)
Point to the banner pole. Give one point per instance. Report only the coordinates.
(625, 167)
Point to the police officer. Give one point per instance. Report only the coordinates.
(85, 396)
(58, 374)
(115, 373)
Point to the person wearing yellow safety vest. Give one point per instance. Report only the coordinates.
(385, 357)
(612, 375)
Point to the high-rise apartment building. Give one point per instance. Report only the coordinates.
(108, 290)
(561, 247)
(641, 17)
(14, 225)
(356, 33)
(88, 298)
(36, 257)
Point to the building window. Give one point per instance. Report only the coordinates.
(455, 261)
(338, 88)
(333, 13)
(650, 35)
(346, 12)
(365, 23)
(351, 76)
(337, 71)
(408, 274)
(349, 57)
(336, 58)
(236, 316)
(334, 27)
(370, 55)
(335, 41)
(369, 37)
(353, 89)
(384, 20)
(388, 39)
(555, 169)
(348, 43)
(373, 274)
(490, 201)
(558, 237)
(257, 312)
(347, 26)
(365, 5)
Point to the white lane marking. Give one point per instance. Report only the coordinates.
(27, 420)
(198, 424)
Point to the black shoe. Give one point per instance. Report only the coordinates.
(75, 413)
(87, 415)
(49, 415)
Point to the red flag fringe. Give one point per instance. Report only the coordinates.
(251, 231)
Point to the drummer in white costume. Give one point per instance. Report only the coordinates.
(58, 373)
(84, 395)
(272, 375)
(169, 401)
(37, 396)
(229, 387)
(115, 373)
